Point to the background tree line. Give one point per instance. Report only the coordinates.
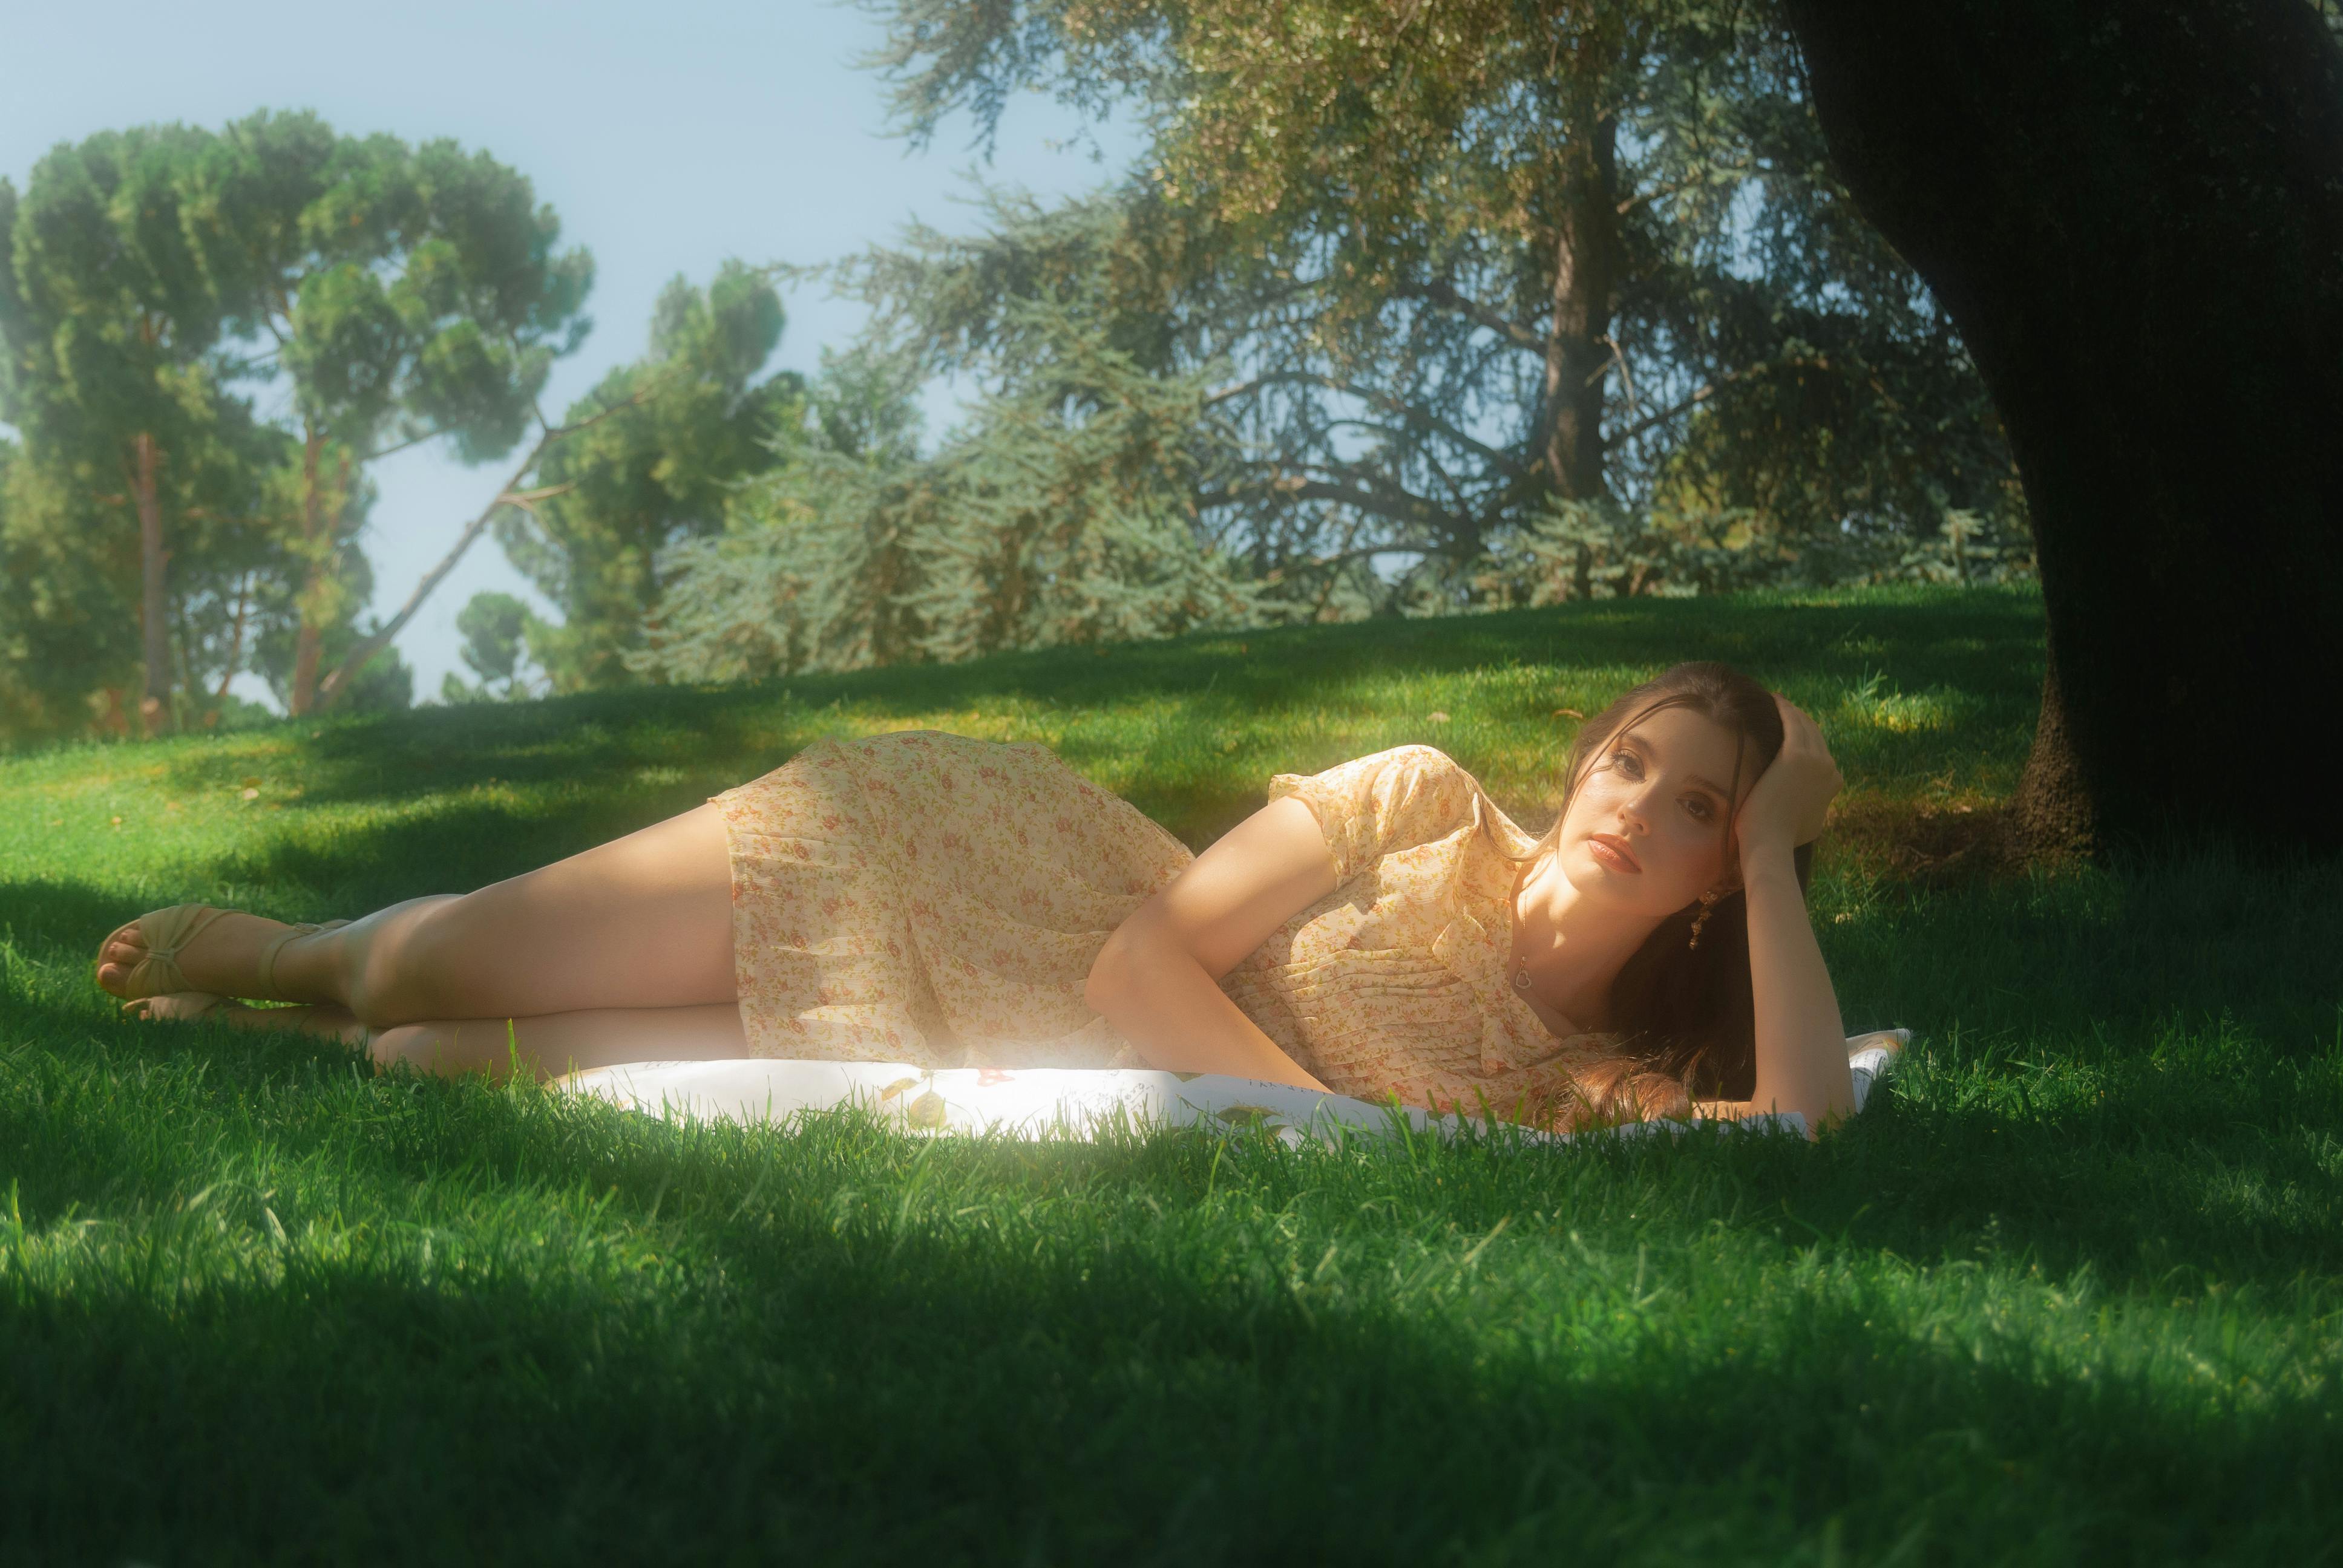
(161, 286)
(1459, 305)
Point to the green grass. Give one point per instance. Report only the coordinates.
(2069, 1289)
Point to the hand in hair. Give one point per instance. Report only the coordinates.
(1787, 805)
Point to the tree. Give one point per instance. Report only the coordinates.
(499, 635)
(1062, 512)
(1469, 259)
(661, 443)
(110, 320)
(406, 295)
(2134, 212)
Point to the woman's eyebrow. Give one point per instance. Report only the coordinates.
(1632, 739)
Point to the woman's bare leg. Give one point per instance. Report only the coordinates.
(554, 1043)
(546, 1043)
(642, 921)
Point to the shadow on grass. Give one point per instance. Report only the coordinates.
(842, 1396)
(57, 922)
(2120, 957)
(2219, 1156)
(2107, 1073)
(788, 1368)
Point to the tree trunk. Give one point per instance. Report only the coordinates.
(1585, 270)
(307, 641)
(154, 604)
(235, 648)
(2133, 211)
(309, 637)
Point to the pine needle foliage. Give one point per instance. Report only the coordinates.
(1063, 512)
(1467, 260)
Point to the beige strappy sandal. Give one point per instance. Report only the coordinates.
(167, 933)
(177, 1006)
(188, 1006)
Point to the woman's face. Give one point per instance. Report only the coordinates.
(1647, 829)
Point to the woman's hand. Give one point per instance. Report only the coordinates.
(1801, 1044)
(1791, 798)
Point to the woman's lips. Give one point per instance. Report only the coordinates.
(1612, 850)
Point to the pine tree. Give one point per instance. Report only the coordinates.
(1468, 260)
(660, 445)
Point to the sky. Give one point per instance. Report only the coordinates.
(668, 136)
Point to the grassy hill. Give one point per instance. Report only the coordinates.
(2070, 1288)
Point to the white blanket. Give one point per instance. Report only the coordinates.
(1054, 1102)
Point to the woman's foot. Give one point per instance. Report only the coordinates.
(309, 1018)
(222, 959)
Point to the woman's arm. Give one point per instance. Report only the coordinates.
(1801, 1045)
(1801, 1040)
(1157, 979)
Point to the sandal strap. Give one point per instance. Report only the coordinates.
(276, 944)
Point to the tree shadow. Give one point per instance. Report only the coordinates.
(2228, 1170)
(56, 920)
(843, 1395)
(790, 1383)
(2067, 958)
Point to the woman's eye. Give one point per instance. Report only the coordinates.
(1699, 808)
(1627, 762)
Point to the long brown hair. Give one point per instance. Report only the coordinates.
(1686, 1016)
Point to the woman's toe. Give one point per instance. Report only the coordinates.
(120, 955)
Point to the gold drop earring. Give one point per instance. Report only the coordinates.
(1707, 907)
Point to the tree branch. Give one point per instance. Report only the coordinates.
(332, 687)
(1661, 193)
(1382, 500)
(1414, 413)
(1319, 563)
(1441, 292)
(403, 446)
(1812, 362)
(641, 395)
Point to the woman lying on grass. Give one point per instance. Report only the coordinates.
(1380, 929)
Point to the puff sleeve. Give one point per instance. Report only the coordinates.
(1372, 806)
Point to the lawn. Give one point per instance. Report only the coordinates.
(2072, 1287)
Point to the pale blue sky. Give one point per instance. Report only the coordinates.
(668, 136)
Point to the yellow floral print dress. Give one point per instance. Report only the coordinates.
(927, 897)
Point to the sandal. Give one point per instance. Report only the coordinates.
(188, 1006)
(178, 1006)
(167, 933)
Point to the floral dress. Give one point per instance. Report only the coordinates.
(926, 897)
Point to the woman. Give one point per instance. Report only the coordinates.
(1380, 929)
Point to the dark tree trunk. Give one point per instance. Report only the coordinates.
(235, 648)
(2133, 210)
(1586, 271)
